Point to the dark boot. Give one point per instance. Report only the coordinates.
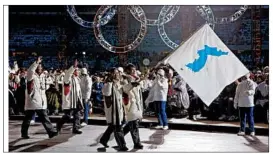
(77, 132)
(138, 146)
(53, 134)
(25, 137)
(124, 148)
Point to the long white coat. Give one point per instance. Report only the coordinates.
(35, 96)
(112, 93)
(86, 87)
(74, 91)
(134, 108)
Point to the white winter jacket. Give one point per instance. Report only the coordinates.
(86, 87)
(35, 92)
(112, 93)
(244, 95)
(71, 90)
(134, 108)
(159, 90)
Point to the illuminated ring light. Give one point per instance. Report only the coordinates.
(136, 11)
(168, 17)
(207, 14)
(223, 20)
(161, 30)
(73, 13)
(233, 17)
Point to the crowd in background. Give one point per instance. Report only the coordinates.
(181, 100)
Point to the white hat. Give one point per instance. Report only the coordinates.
(120, 69)
(161, 72)
(84, 71)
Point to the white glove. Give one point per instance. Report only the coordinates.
(235, 105)
(86, 100)
(90, 104)
(247, 92)
(230, 99)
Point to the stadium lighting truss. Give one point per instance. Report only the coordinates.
(167, 13)
(89, 24)
(137, 12)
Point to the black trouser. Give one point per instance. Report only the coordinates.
(106, 135)
(119, 135)
(145, 95)
(67, 116)
(260, 112)
(132, 126)
(194, 108)
(20, 99)
(226, 107)
(42, 116)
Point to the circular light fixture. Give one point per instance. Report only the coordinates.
(136, 11)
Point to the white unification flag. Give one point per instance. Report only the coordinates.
(206, 64)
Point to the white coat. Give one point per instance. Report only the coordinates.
(35, 93)
(244, 96)
(71, 90)
(86, 87)
(112, 93)
(134, 108)
(159, 91)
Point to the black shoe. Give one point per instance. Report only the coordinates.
(138, 146)
(58, 128)
(77, 132)
(53, 134)
(123, 149)
(104, 144)
(25, 136)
